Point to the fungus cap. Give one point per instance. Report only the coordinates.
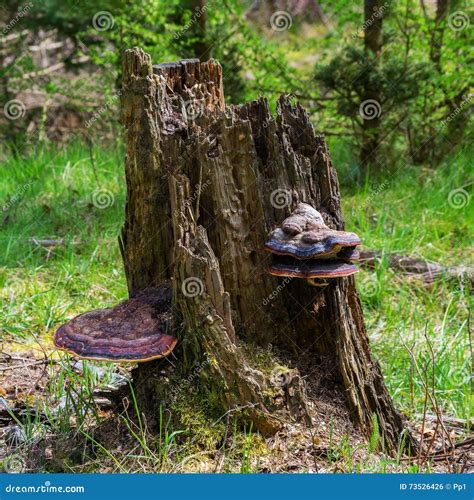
(132, 331)
(302, 218)
(314, 268)
(349, 254)
(304, 235)
(313, 244)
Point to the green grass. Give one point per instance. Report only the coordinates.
(53, 194)
(58, 195)
(419, 213)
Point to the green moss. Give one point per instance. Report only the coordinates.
(258, 357)
(193, 413)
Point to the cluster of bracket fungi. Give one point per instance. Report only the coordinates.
(303, 246)
(138, 329)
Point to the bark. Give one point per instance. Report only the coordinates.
(192, 39)
(201, 47)
(436, 45)
(373, 43)
(205, 184)
(373, 18)
(209, 327)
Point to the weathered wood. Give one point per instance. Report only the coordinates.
(429, 272)
(237, 171)
(205, 312)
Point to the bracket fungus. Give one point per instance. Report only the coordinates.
(305, 247)
(133, 331)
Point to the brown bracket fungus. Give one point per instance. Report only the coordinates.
(304, 235)
(287, 266)
(305, 247)
(349, 254)
(133, 331)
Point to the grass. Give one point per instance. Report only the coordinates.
(422, 214)
(53, 195)
(78, 195)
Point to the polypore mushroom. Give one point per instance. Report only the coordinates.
(134, 330)
(349, 254)
(304, 235)
(305, 247)
(287, 266)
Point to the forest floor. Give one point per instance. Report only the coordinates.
(62, 210)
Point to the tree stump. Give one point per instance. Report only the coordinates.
(206, 183)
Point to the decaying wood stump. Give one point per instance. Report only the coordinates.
(205, 185)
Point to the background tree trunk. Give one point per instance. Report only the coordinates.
(373, 43)
(200, 46)
(436, 45)
(192, 39)
(205, 184)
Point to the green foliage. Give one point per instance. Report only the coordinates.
(423, 104)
